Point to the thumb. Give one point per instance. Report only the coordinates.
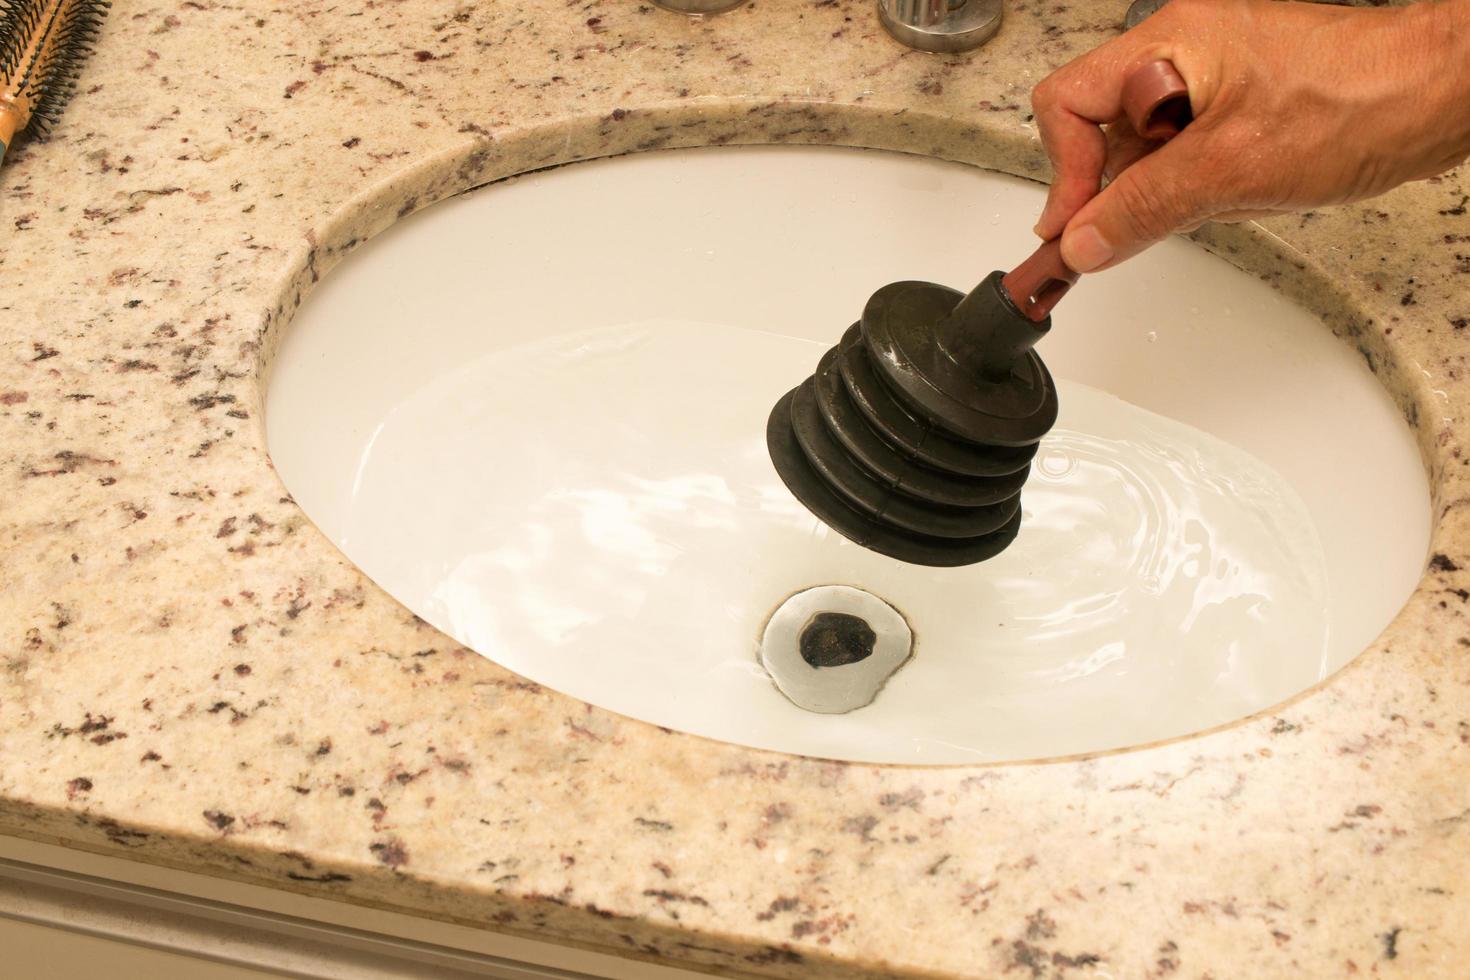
(1157, 195)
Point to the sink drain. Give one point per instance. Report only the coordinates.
(830, 649)
(836, 639)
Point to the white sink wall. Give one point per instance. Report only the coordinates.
(790, 241)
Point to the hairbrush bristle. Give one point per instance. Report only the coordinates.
(43, 44)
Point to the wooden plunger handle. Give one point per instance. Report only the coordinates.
(1037, 284)
(1156, 102)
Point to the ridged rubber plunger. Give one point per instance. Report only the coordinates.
(915, 435)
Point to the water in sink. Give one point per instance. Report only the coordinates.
(610, 490)
(536, 415)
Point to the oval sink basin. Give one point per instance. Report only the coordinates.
(535, 414)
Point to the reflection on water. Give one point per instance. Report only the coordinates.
(598, 513)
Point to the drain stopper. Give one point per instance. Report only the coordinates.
(830, 649)
(832, 639)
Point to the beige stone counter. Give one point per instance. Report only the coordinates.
(191, 673)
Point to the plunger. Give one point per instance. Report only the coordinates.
(915, 435)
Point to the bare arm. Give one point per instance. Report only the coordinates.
(1296, 105)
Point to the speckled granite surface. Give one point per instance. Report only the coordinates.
(190, 673)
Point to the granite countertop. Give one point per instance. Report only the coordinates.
(191, 674)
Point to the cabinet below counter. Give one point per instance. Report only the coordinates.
(68, 913)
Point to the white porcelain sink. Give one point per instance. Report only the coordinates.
(535, 414)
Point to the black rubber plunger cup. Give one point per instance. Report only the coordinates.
(915, 435)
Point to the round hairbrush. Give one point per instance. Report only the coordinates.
(43, 44)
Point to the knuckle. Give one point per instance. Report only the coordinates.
(1044, 95)
(1148, 209)
(1233, 186)
(1227, 177)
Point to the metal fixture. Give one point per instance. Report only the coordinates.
(944, 26)
(1139, 11)
(698, 8)
(830, 649)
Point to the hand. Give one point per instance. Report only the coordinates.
(1296, 105)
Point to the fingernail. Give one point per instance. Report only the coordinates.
(1041, 220)
(1085, 249)
(1036, 230)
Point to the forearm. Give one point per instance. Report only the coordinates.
(1445, 28)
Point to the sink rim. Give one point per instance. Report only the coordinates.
(1249, 247)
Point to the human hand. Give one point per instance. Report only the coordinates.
(1296, 105)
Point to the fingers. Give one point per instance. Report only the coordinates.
(1157, 195)
(1071, 105)
(1078, 151)
(1125, 148)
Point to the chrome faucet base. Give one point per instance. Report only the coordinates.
(942, 26)
(1139, 11)
(698, 8)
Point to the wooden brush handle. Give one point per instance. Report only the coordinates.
(12, 121)
(37, 29)
(42, 45)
